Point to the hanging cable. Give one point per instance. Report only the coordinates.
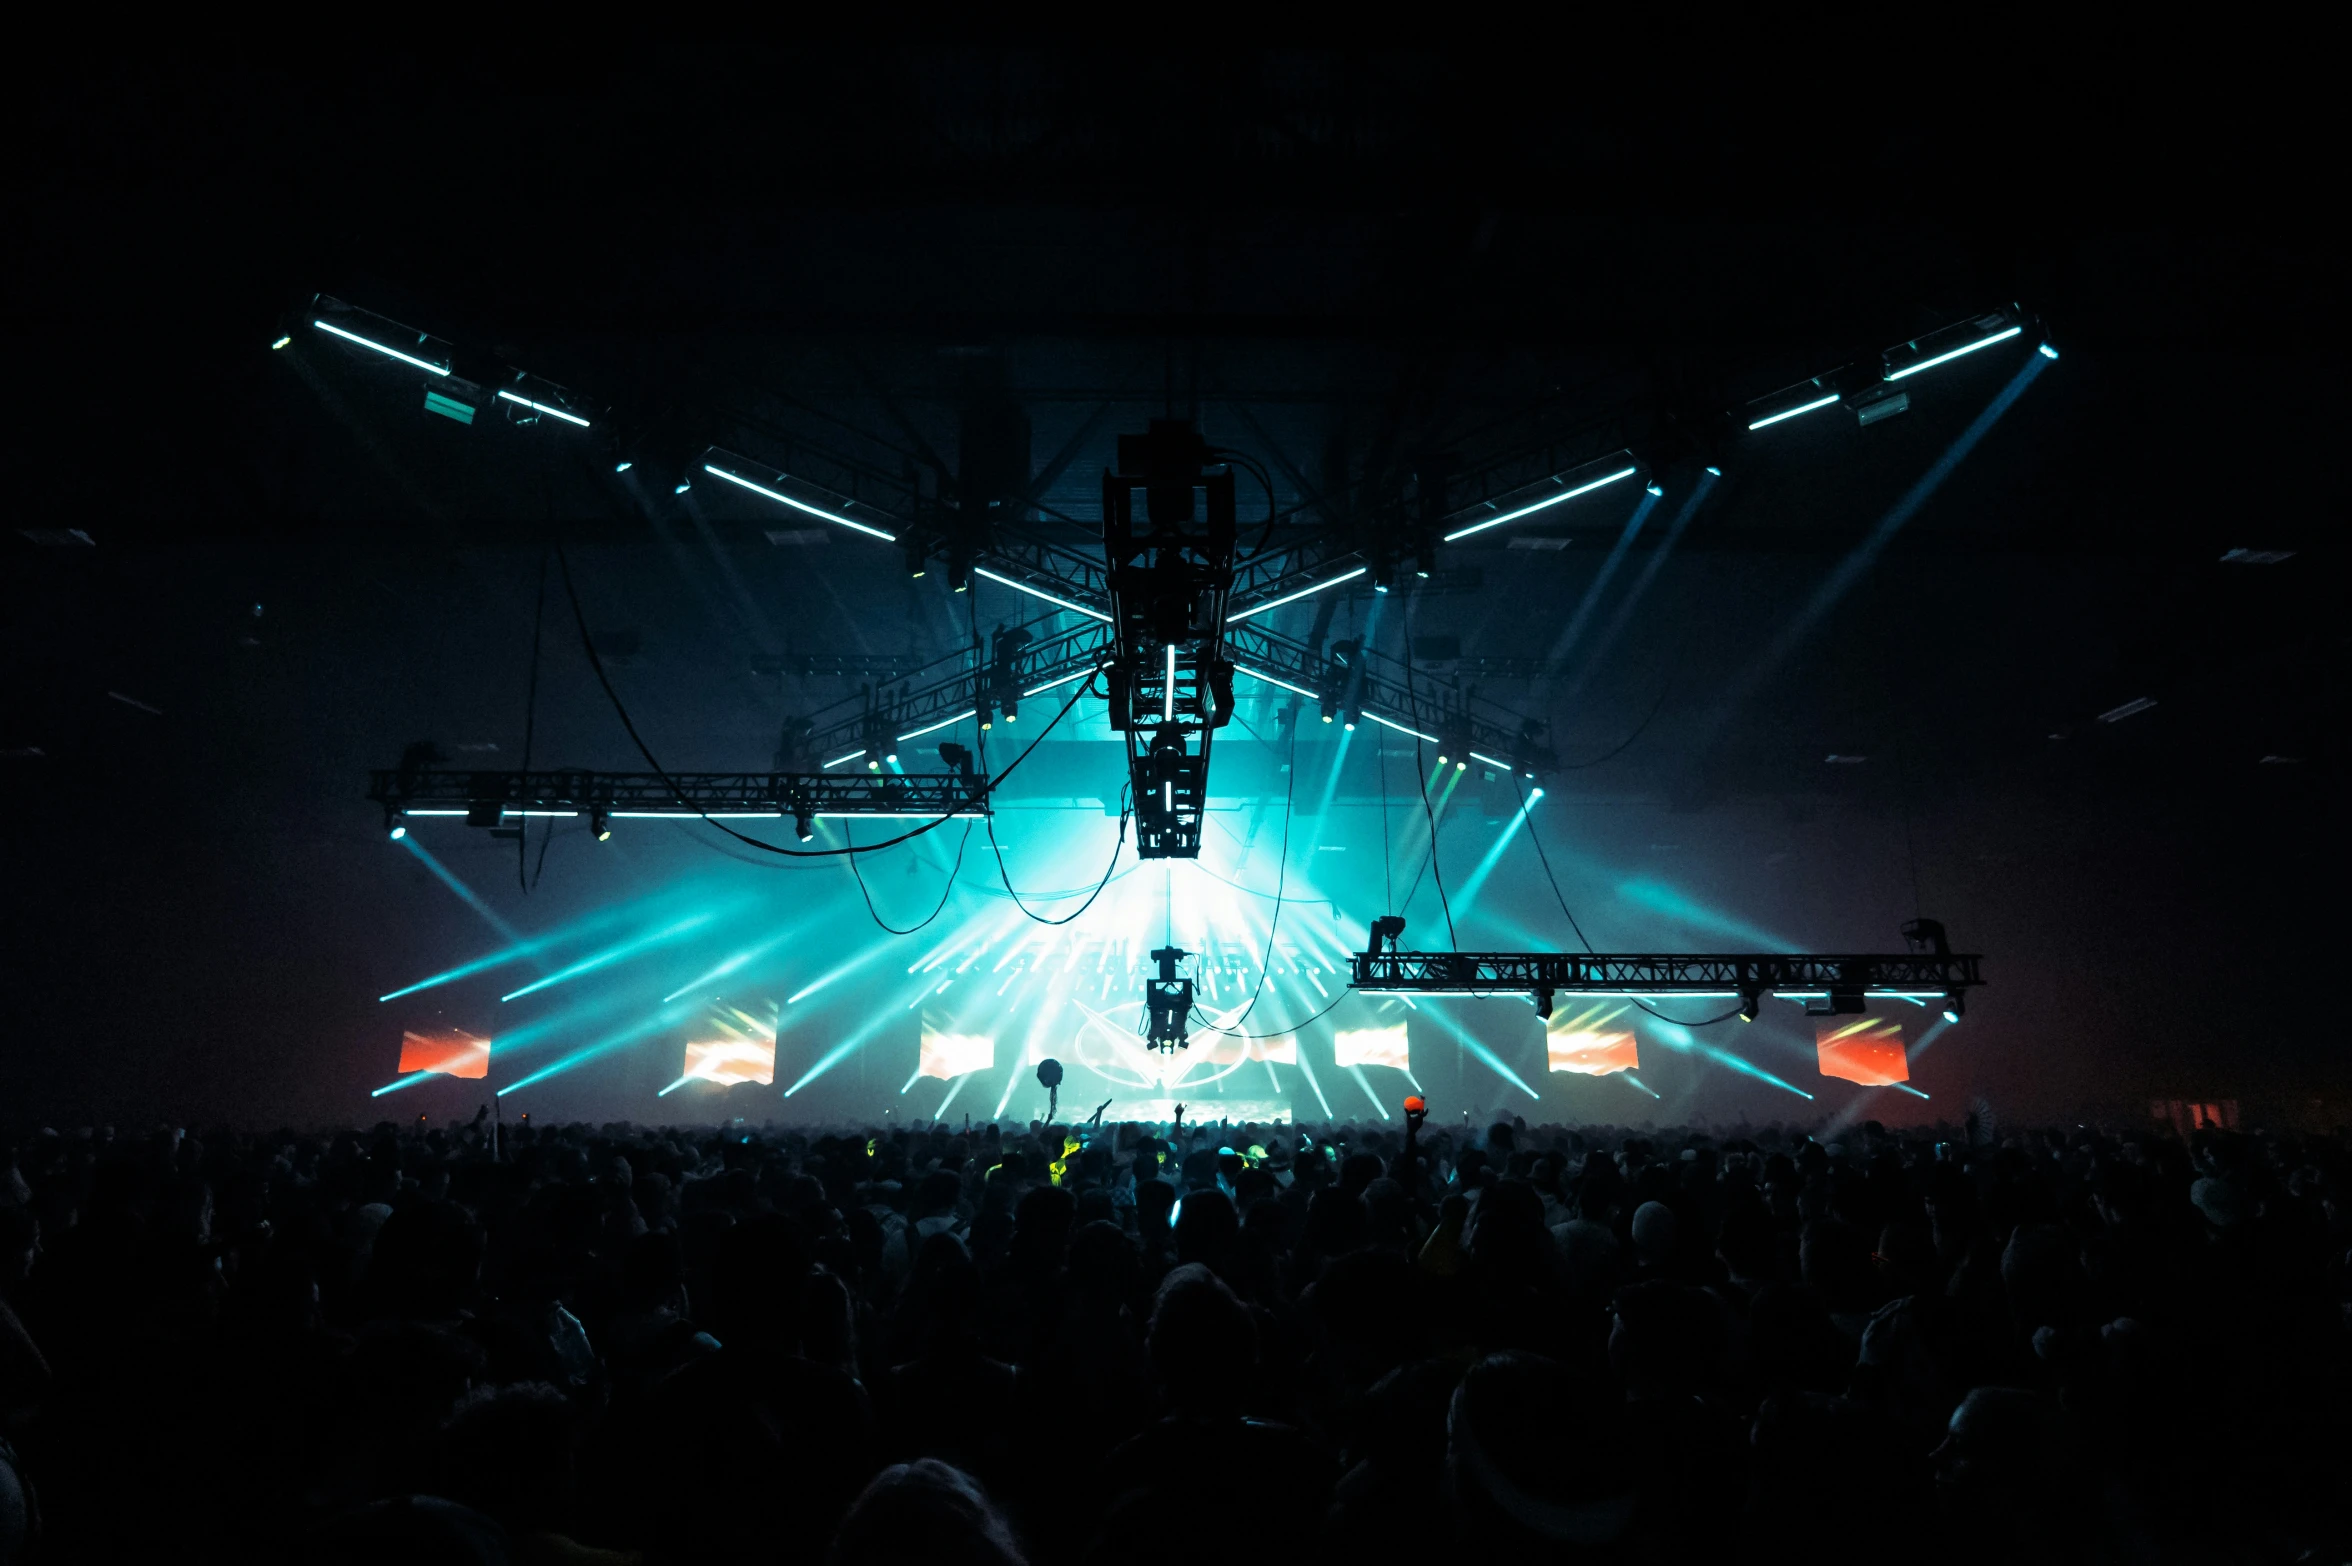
(588, 644)
(944, 893)
(1421, 775)
(1125, 804)
(1281, 880)
(530, 728)
(1553, 882)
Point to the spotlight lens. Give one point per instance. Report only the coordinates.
(1351, 728)
(623, 467)
(1461, 766)
(1714, 471)
(1951, 1014)
(280, 343)
(681, 489)
(2049, 352)
(1656, 488)
(398, 833)
(1327, 717)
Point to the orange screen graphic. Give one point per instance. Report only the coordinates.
(1371, 1047)
(1867, 1050)
(732, 1060)
(451, 1052)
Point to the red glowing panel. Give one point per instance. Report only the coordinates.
(1867, 1050)
(451, 1052)
(728, 1061)
(1371, 1047)
(951, 1055)
(1590, 1052)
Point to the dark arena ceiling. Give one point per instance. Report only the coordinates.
(1865, 672)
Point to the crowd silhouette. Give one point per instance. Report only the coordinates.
(1139, 1343)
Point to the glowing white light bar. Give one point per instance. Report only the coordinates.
(800, 505)
(539, 812)
(569, 418)
(931, 729)
(1168, 689)
(1400, 728)
(1038, 592)
(1954, 353)
(1544, 504)
(693, 815)
(1168, 793)
(1490, 761)
(1304, 592)
(436, 812)
(1790, 413)
(354, 337)
(838, 760)
(898, 815)
(1285, 685)
(1050, 684)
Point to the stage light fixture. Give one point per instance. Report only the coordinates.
(683, 486)
(1543, 1002)
(599, 823)
(782, 499)
(1804, 397)
(374, 332)
(1953, 342)
(623, 467)
(283, 341)
(1565, 486)
(1655, 489)
(2047, 352)
(986, 716)
(1713, 471)
(1955, 1007)
(1751, 1002)
(1292, 598)
(399, 831)
(804, 825)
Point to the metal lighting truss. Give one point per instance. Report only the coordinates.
(1914, 975)
(487, 797)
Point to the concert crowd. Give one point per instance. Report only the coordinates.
(1194, 1342)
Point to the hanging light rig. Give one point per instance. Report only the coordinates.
(1171, 687)
(1168, 1002)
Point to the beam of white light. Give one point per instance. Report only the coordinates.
(393, 353)
(1945, 358)
(843, 1050)
(1039, 592)
(411, 1080)
(611, 1041)
(1639, 1083)
(673, 1087)
(1312, 1083)
(854, 963)
(799, 505)
(471, 898)
(1168, 688)
(1544, 504)
(838, 760)
(941, 1111)
(1304, 592)
(569, 418)
(1365, 1083)
(731, 964)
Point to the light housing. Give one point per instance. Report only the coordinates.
(1952, 342)
(1544, 494)
(380, 334)
(1791, 401)
(599, 823)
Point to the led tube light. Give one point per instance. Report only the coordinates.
(1304, 592)
(569, 418)
(354, 337)
(1036, 592)
(1544, 504)
(799, 505)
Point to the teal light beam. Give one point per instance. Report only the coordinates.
(666, 1017)
(611, 955)
(467, 894)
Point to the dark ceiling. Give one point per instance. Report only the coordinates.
(1341, 263)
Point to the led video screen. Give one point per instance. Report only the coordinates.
(452, 1052)
(1865, 1050)
(730, 1060)
(950, 1055)
(1589, 1050)
(1371, 1047)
